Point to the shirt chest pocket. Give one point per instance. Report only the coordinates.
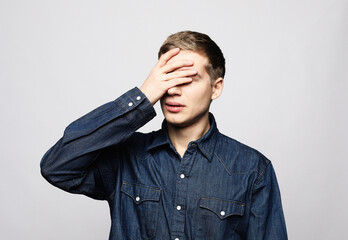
(139, 210)
(218, 218)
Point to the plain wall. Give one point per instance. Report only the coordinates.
(285, 94)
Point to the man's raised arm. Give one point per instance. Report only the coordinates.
(81, 161)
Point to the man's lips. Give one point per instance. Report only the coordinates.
(174, 106)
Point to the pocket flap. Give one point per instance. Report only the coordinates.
(221, 207)
(140, 193)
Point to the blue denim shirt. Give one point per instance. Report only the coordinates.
(220, 189)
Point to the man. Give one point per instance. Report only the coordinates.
(185, 181)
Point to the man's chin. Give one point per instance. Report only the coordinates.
(177, 122)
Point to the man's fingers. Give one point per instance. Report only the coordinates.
(180, 74)
(170, 67)
(167, 56)
(177, 81)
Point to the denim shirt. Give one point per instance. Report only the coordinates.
(220, 189)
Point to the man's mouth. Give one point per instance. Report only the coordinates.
(174, 107)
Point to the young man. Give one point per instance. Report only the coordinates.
(185, 181)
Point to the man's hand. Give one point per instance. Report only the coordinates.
(163, 76)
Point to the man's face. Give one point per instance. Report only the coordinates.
(188, 104)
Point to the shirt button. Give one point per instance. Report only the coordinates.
(222, 213)
(178, 208)
(137, 199)
(182, 176)
(138, 98)
(130, 104)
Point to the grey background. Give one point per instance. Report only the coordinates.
(285, 94)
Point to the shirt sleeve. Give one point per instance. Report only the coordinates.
(85, 160)
(266, 217)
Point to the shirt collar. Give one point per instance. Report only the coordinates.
(206, 144)
(161, 138)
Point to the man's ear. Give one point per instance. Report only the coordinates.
(217, 87)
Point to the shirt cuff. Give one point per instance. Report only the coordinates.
(138, 104)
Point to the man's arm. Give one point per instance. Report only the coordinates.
(85, 160)
(267, 218)
(73, 163)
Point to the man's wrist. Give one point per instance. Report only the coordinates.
(147, 94)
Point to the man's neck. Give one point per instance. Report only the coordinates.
(182, 136)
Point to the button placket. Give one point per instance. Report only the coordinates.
(181, 193)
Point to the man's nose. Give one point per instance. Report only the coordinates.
(174, 91)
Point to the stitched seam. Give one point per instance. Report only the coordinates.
(222, 200)
(229, 173)
(258, 180)
(141, 186)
